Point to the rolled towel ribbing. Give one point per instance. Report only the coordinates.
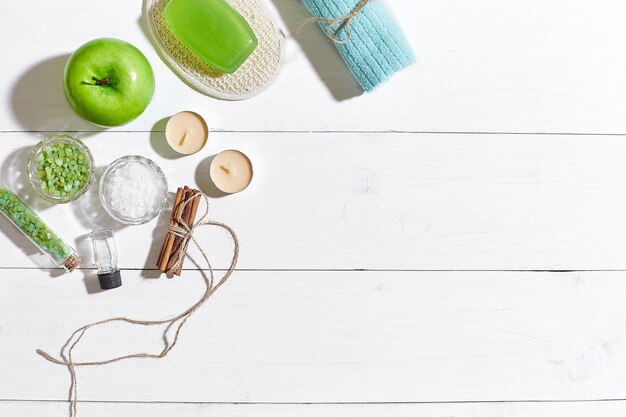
(377, 47)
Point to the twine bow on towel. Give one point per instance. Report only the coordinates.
(341, 23)
(177, 322)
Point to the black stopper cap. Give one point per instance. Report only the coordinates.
(110, 280)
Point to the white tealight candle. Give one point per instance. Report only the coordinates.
(186, 132)
(231, 171)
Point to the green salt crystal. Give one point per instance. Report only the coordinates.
(29, 222)
(62, 164)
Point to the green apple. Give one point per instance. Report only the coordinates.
(108, 82)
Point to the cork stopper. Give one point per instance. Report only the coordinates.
(71, 263)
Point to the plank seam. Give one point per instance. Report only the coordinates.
(409, 132)
(562, 271)
(599, 400)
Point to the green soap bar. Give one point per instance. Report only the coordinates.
(213, 30)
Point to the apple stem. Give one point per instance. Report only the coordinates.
(103, 82)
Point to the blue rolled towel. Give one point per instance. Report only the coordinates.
(376, 48)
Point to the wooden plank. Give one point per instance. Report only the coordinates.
(375, 201)
(482, 66)
(327, 337)
(37, 409)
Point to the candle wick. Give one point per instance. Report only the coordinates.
(182, 140)
(225, 169)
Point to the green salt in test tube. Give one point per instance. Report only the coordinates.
(213, 30)
(25, 219)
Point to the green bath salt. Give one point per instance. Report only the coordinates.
(63, 169)
(25, 219)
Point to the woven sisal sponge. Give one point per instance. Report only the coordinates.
(253, 76)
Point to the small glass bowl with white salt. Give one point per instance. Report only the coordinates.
(133, 190)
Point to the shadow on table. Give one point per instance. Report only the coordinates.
(40, 261)
(204, 181)
(15, 177)
(89, 210)
(159, 143)
(39, 104)
(87, 262)
(158, 235)
(12, 172)
(319, 50)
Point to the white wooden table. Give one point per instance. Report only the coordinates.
(452, 245)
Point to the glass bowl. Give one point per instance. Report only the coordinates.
(133, 190)
(33, 168)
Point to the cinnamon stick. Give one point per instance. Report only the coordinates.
(172, 244)
(169, 238)
(166, 239)
(176, 247)
(192, 218)
(168, 242)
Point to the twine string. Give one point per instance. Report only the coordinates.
(186, 232)
(343, 22)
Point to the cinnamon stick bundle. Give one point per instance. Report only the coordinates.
(172, 244)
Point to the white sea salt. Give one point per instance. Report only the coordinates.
(134, 190)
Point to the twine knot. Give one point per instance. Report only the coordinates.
(341, 23)
(184, 231)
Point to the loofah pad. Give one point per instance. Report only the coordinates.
(253, 76)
